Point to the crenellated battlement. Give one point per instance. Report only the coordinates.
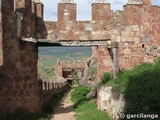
(120, 40)
(71, 66)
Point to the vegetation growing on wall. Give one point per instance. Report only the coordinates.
(141, 88)
(105, 78)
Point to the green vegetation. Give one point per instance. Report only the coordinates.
(79, 94)
(85, 108)
(75, 76)
(141, 88)
(88, 111)
(23, 115)
(105, 78)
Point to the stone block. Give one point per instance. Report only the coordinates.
(20, 4)
(39, 10)
(125, 33)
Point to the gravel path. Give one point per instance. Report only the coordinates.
(64, 109)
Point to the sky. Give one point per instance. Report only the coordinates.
(83, 8)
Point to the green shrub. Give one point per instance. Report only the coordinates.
(140, 87)
(79, 94)
(106, 77)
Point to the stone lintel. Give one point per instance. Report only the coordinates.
(44, 42)
(84, 43)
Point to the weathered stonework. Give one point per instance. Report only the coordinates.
(111, 103)
(1, 38)
(49, 88)
(66, 69)
(135, 30)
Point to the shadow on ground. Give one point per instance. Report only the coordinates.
(23, 115)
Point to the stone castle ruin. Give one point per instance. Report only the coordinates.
(67, 69)
(120, 40)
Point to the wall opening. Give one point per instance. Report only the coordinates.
(58, 63)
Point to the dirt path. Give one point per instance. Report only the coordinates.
(64, 109)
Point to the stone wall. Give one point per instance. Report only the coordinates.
(19, 86)
(132, 30)
(137, 32)
(138, 39)
(66, 69)
(1, 49)
(107, 101)
(136, 29)
(49, 88)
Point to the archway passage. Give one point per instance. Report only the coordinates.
(23, 31)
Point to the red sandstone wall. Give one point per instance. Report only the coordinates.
(19, 84)
(131, 33)
(136, 35)
(59, 69)
(49, 88)
(65, 69)
(104, 61)
(67, 28)
(131, 28)
(1, 49)
(95, 51)
(73, 64)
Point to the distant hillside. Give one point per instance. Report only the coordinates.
(49, 55)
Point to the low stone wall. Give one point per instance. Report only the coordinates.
(108, 102)
(49, 88)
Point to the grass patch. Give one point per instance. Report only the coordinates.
(88, 111)
(23, 115)
(79, 94)
(141, 88)
(85, 109)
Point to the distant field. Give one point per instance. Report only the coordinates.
(49, 55)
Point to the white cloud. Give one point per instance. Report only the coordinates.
(83, 8)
